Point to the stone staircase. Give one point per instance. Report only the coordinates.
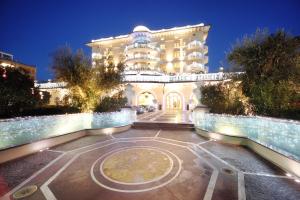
(163, 125)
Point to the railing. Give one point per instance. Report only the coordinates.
(197, 56)
(50, 85)
(178, 78)
(196, 44)
(154, 76)
(138, 45)
(197, 67)
(143, 57)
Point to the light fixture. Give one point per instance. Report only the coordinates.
(289, 175)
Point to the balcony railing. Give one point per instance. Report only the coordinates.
(197, 56)
(197, 67)
(154, 77)
(141, 57)
(176, 78)
(197, 45)
(50, 85)
(139, 45)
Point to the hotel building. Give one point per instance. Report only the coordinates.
(163, 68)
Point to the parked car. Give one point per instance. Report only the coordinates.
(148, 108)
(139, 109)
(151, 109)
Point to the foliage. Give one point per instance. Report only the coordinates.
(110, 104)
(44, 98)
(271, 63)
(76, 71)
(87, 83)
(50, 110)
(108, 75)
(226, 97)
(17, 92)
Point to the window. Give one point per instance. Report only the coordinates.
(176, 54)
(177, 45)
(176, 65)
(163, 46)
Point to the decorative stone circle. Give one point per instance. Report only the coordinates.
(25, 192)
(136, 166)
(135, 169)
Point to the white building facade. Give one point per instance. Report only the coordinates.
(163, 68)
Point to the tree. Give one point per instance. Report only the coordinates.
(108, 75)
(226, 97)
(111, 104)
(271, 63)
(17, 92)
(88, 84)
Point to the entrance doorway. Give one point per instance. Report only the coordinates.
(173, 101)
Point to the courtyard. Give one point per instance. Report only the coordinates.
(148, 163)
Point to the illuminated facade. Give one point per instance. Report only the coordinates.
(7, 60)
(171, 51)
(163, 68)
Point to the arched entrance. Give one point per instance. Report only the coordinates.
(146, 99)
(173, 101)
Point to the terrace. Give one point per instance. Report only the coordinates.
(158, 155)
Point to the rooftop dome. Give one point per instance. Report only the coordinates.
(141, 29)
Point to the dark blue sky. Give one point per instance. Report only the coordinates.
(32, 29)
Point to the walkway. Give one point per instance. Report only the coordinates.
(165, 116)
(149, 164)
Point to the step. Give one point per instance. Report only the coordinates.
(163, 125)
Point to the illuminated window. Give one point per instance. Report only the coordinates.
(177, 45)
(176, 65)
(176, 54)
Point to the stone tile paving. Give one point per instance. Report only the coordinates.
(182, 135)
(84, 141)
(14, 172)
(242, 158)
(137, 133)
(270, 188)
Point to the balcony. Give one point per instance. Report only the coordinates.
(197, 46)
(197, 56)
(176, 78)
(138, 47)
(197, 67)
(141, 58)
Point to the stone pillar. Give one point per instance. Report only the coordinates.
(197, 92)
(129, 93)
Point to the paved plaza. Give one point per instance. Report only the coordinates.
(148, 163)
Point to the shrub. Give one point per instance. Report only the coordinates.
(110, 104)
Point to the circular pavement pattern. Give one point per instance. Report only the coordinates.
(136, 166)
(136, 169)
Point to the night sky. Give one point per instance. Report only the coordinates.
(32, 29)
